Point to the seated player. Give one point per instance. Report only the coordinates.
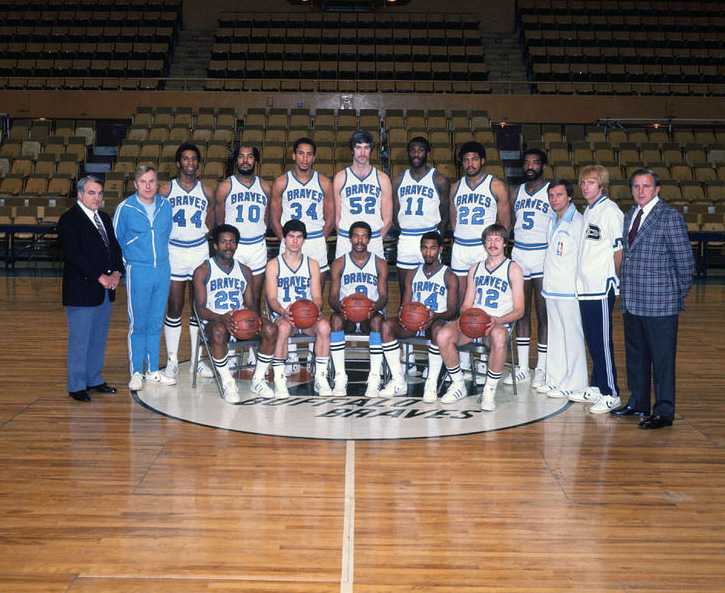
(222, 285)
(363, 272)
(291, 277)
(436, 286)
(495, 285)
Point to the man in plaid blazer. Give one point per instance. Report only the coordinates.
(656, 274)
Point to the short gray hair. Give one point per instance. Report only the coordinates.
(644, 171)
(81, 185)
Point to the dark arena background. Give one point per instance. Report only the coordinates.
(172, 490)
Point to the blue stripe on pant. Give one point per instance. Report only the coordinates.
(87, 333)
(597, 325)
(148, 293)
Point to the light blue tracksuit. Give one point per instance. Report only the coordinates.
(145, 247)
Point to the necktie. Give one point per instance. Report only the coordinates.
(635, 226)
(101, 230)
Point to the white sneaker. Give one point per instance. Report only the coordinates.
(545, 388)
(293, 364)
(373, 388)
(430, 393)
(589, 395)
(488, 400)
(522, 375)
(261, 387)
(322, 385)
(605, 404)
(157, 377)
(456, 391)
(539, 379)
(559, 393)
(280, 389)
(172, 367)
(340, 384)
(202, 369)
(394, 387)
(136, 382)
(231, 393)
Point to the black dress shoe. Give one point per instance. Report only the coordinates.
(656, 421)
(102, 388)
(80, 396)
(626, 411)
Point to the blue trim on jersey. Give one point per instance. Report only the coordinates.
(467, 242)
(314, 235)
(195, 243)
(416, 232)
(483, 180)
(346, 234)
(530, 246)
(611, 284)
(252, 240)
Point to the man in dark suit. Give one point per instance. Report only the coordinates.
(92, 267)
(656, 274)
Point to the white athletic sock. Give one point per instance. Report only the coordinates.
(263, 362)
(391, 352)
(222, 367)
(522, 350)
(492, 379)
(194, 333)
(541, 360)
(435, 364)
(172, 335)
(337, 351)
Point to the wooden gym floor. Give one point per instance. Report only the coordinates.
(110, 497)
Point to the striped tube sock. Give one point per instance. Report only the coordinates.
(222, 367)
(376, 353)
(435, 363)
(337, 351)
(263, 362)
(492, 379)
(391, 352)
(541, 361)
(172, 335)
(522, 350)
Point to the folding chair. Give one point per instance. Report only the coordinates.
(233, 343)
(480, 348)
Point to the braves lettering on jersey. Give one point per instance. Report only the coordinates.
(431, 290)
(532, 218)
(493, 288)
(244, 207)
(305, 202)
(362, 279)
(476, 208)
(419, 204)
(293, 285)
(225, 290)
(361, 201)
(189, 215)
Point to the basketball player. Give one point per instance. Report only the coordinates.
(192, 204)
(495, 285)
(597, 286)
(241, 200)
(363, 272)
(292, 276)
(221, 285)
(436, 286)
(477, 201)
(420, 204)
(362, 192)
(530, 206)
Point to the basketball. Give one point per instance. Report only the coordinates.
(356, 307)
(305, 313)
(248, 324)
(473, 322)
(413, 315)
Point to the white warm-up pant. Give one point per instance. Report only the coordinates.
(566, 360)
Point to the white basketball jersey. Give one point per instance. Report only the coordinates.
(293, 285)
(305, 202)
(419, 204)
(431, 290)
(493, 289)
(189, 215)
(533, 214)
(476, 208)
(225, 290)
(361, 201)
(244, 207)
(362, 279)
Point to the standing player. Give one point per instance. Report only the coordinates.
(364, 193)
(436, 286)
(495, 285)
(531, 210)
(477, 201)
(192, 206)
(241, 200)
(420, 205)
(290, 277)
(363, 272)
(222, 285)
(597, 286)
